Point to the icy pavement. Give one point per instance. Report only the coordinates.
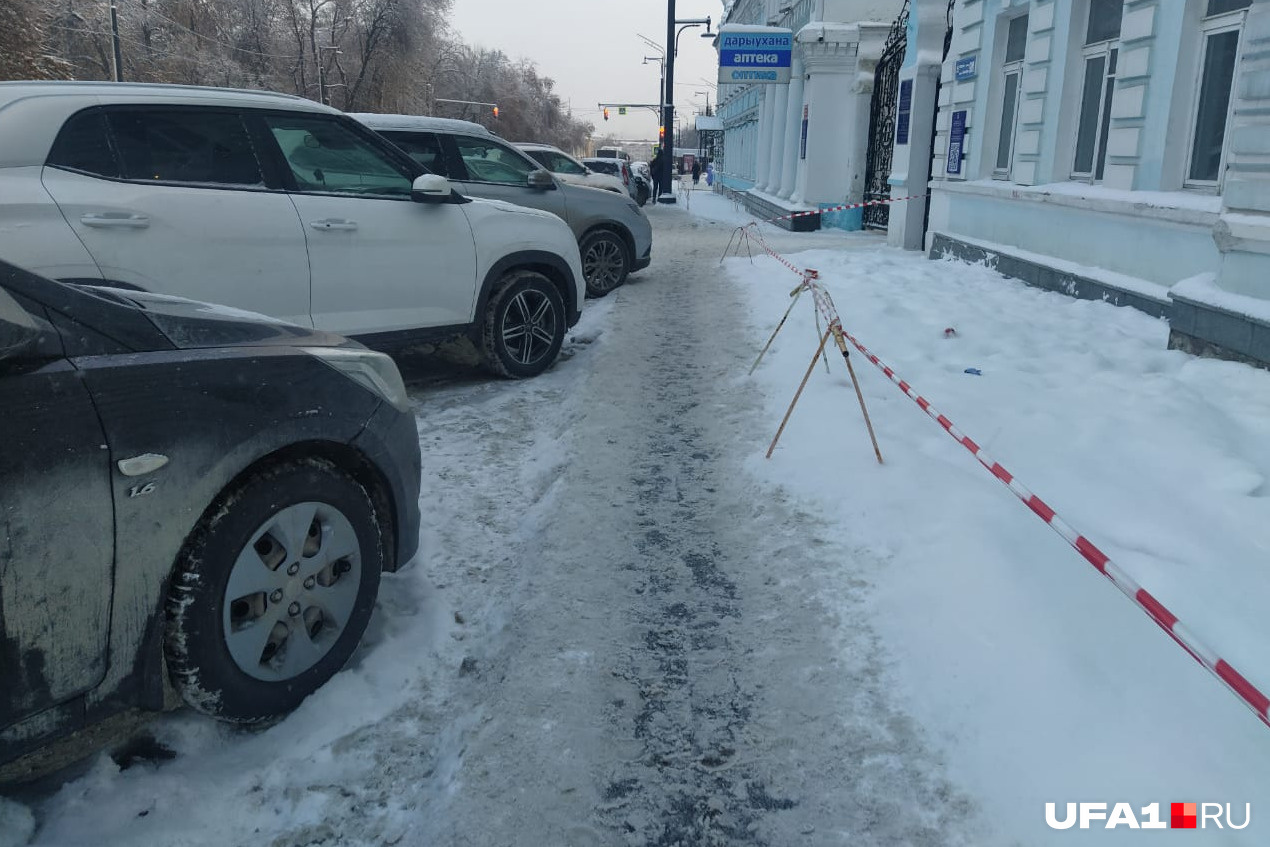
(628, 628)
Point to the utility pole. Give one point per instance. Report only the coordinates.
(668, 108)
(114, 34)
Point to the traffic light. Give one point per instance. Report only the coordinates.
(606, 113)
(661, 133)
(495, 111)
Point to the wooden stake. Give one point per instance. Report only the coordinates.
(842, 345)
(763, 352)
(823, 354)
(799, 393)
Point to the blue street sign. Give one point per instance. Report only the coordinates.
(956, 142)
(968, 67)
(755, 54)
(904, 116)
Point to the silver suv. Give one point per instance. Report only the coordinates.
(614, 237)
(281, 206)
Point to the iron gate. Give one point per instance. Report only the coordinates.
(882, 111)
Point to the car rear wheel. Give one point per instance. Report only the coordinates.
(524, 326)
(605, 262)
(273, 591)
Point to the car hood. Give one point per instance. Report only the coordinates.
(193, 324)
(504, 206)
(607, 203)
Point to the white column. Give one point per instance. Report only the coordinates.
(764, 152)
(835, 139)
(775, 163)
(910, 164)
(1243, 232)
(793, 132)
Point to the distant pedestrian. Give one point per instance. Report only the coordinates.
(696, 171)
(656, 166)
(710, 173)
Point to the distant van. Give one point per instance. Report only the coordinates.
(612, 153)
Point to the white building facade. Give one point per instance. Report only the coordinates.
(1111, 149)
(802, 146)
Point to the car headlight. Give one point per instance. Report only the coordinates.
(373, 371)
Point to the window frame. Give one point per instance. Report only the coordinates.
(1224, 22)
(271, 178)
(524, 158)
(258, 120)
(1106, 50)
(1008, 68)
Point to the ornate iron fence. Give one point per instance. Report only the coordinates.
(882, 112)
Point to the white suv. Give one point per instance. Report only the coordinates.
(278, 205)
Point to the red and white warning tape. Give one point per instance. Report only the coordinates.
(1249, 694)
(1252, 697)
(844, 208)
(751, 230)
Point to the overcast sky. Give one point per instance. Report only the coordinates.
(592, 49)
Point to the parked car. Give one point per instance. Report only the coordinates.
(619, 168)
(196, 502)
(642, 172)
(278, 205)
(568, 169)
(614, 237)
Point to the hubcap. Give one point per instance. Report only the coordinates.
(602, 264)
(291, 591)
(529, 327)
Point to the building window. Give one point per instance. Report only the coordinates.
(1101, 50)
(1012, 73)
(1220, 31)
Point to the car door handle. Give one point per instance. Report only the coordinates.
(333, 223)
(115, 219)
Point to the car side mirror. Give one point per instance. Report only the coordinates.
(432, 189)
(541, 180)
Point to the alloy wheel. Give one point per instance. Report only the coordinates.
(603, 264)
(529, 327)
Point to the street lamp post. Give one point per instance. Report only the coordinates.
(668, 107)
(668, 111)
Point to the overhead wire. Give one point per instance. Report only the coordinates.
(150, 11)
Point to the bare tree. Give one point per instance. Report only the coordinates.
(363, 55)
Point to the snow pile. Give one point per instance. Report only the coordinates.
(1204, 289)
(16, 824)
(1041, 681)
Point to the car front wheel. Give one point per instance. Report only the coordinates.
(524, 326)
(273, 591)
(605, 262)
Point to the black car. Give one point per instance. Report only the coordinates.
(195, 503)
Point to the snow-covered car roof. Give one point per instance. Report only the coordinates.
(378, 121)
(32, 112)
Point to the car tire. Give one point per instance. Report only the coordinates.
(524, 326)
(605, 262)
(295, 548)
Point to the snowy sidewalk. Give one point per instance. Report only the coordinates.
(1040, 680)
